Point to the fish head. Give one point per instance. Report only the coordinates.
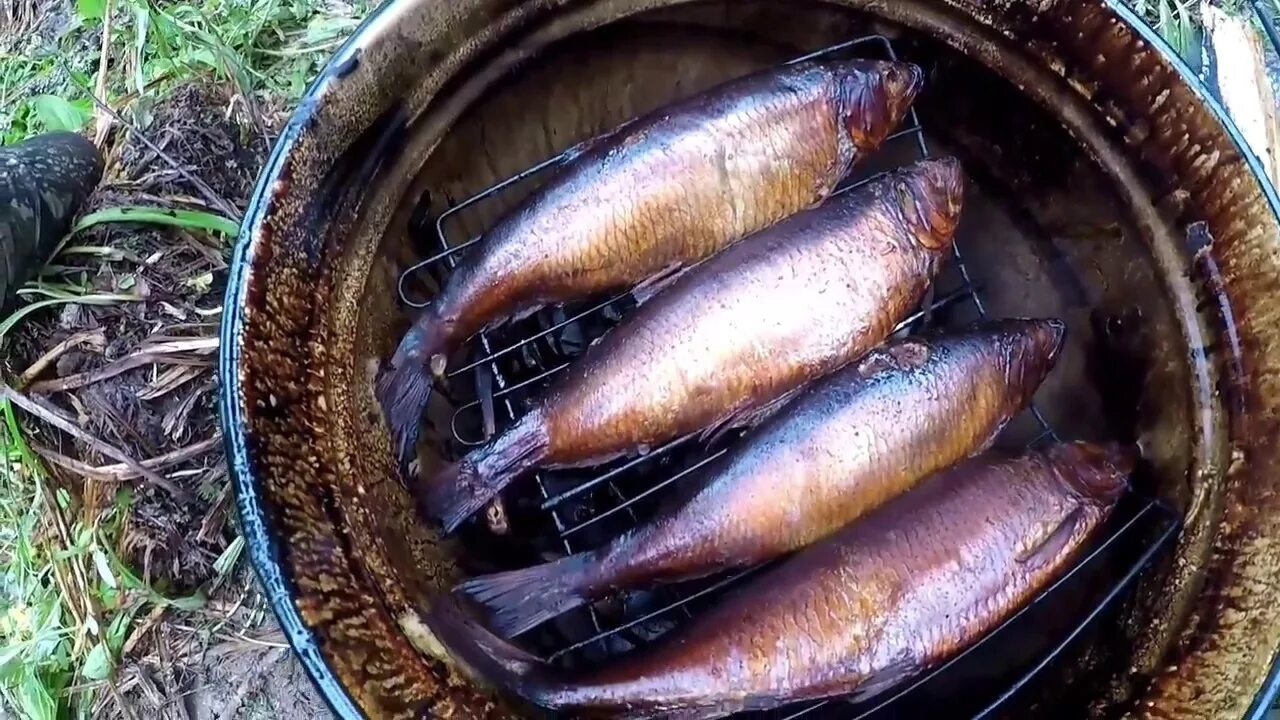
(929, 196)
(1030, 349)
(875, 96)
(1097, 473)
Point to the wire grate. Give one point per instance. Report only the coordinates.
(581, 509)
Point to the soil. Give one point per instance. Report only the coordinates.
(227, 660)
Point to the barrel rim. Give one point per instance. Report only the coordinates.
(261, 541)
(264, 546)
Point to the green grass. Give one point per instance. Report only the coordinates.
(1179, 22)
(67, 602)
(266, 48)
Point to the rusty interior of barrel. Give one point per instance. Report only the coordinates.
(1046, 232)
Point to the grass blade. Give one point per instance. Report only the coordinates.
(226, 562)
(36, 702)
(58, 114)
(1168, 28)
(17, 316)
(190, 219)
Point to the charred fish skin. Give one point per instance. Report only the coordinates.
(912, 584)
(846, 445)
(665, 190)
(739, 331)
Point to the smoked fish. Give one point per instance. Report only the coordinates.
(900, 591)
(732, 335)
(658, 193)
(844, 446)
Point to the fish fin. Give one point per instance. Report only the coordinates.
(1048, 547)
(698, 713)
(520, 600)
(883, 679)
(404, 388)
(990, 439)
(487, 655)
(525, 311)
(403, 392)
(520, 313)
(658, 282)
(599, 142)
(749, 417)
(461, 489)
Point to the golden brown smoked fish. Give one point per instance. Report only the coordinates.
(751, 324)
(665, 190)
(901, 590)
(846, 445)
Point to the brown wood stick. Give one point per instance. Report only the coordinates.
(121, 472)
(139, 359)
(78, 380)
(90, 337)
(104, 56)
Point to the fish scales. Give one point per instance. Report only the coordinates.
(786, 295)
(846, 445)
(885, 598)
(663, 191)
(736, 333)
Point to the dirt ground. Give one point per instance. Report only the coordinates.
(140, 375)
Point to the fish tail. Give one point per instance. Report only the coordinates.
(491, 657)
(403, 393)
(464, 487)
(520, 600)
(405, 388)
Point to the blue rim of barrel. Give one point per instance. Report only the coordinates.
(260, 538)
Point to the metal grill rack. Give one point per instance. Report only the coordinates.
(582, 509)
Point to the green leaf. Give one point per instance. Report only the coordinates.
(84, 106)
(16, 316)
(189, 603)
(58, 114)
(191, 219)
(118, 631)
(97, 666)
(226, 562)
(133, 582)
(1188, 40)
(36, 701)
(104, 568)
(322, 28)
(141, 24)
(91, 9)
(206, 57)
(10, 659)
(200, 283)
(83, 537)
